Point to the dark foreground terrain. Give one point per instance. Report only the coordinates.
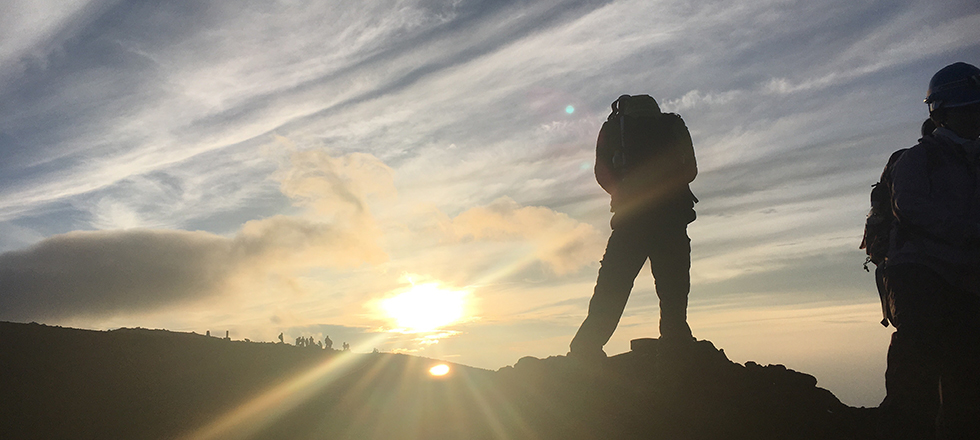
(62, 383)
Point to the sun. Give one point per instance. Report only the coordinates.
(425, 308)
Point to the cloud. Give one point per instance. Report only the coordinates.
(561, 242)
(26, 24)
(101, 273)
(695, 99)
(112, 272)
(337, 187)
(108, 272)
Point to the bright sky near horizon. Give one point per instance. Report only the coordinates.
(325, 168)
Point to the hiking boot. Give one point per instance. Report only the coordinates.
(675, 330)
(675, 347)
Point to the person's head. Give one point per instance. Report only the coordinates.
(954, 99)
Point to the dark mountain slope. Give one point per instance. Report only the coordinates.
(136, 383)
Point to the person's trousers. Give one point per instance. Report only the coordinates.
(668, 248)
(932, 382)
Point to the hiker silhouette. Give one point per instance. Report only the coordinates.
(645, 161)
(931, 274)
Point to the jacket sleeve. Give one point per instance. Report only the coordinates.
(923, 214)
(689, 163)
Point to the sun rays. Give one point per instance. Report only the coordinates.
(375, 396)
(267, 408)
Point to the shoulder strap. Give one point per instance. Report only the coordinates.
(619, 156)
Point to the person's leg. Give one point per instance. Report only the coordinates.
(670, 261)
(960, 384)
(911, 404)
(624, 257)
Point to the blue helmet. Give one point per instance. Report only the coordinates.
(955, 85)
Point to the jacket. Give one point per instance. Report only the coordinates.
(936, 202)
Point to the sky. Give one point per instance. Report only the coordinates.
(416, 176)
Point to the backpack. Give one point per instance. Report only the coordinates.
(641, 115)
(878, 225)
(881, 220)
(878, 229)
(639, 135)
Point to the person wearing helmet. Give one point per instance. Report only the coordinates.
(645, 161)
(932, 271)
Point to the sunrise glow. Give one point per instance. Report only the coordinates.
(425, 308)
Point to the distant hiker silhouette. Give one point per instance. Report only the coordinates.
(932, 270)
(280, 338)
(327, 342)
(645, 161)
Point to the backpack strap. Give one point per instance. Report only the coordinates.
(619, 111)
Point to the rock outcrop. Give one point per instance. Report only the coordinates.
(690, 391)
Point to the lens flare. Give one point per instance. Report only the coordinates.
(569, 109)
(439, 370)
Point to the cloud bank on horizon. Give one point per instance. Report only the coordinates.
(270, 166)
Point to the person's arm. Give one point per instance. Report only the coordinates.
(689, 163)
(913, 206)
(682, 166)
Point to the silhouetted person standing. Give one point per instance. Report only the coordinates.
(327, 342)
(645, 161)
(933, 268)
